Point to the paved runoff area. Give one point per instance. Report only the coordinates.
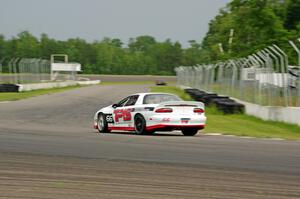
(48, 149)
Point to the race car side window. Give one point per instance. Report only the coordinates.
(132, 100)
(123, 101)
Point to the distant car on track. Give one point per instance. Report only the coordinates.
(160, 82)
(146, 113)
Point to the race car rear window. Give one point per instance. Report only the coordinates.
(159, 98)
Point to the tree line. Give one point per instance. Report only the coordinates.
(255, 24)
(142, 55)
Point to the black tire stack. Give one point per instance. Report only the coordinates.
(9, 88)
(222, 103)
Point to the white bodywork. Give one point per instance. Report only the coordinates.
(182, 115)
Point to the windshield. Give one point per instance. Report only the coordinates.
(159, 98)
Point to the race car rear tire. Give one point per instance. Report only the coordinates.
(140, 125)
(102, 124)
(189, 132)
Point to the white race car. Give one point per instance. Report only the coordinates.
(146, 113)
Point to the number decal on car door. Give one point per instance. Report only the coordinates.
(109, 118)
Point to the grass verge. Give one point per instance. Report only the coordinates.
(28, 94)
(239, 124)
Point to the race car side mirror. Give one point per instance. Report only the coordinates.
(115, 105)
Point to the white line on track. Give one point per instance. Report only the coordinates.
(243, 137)
(213, 134)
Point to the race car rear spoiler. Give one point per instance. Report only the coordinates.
(181, 103)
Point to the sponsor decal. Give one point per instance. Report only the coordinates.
(166, 120)
(123, 113)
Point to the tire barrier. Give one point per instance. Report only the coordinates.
(218, 98)
(229, 107)
(195, 94)
(222, 103)
(9, 88)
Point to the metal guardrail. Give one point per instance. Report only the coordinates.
(264, 78)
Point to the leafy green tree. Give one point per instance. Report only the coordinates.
(141, 43)
(2, 46)
(11, 48)
(27, 45)
(255, 26)
(49, 46)
(292, 14)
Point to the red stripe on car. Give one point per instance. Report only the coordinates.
(161, 126)
(117, 128)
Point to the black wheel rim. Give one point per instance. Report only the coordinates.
(139, 124)
(101, 123)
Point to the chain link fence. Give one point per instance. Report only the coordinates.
(24, 70)
(31, 70)
(263, 78)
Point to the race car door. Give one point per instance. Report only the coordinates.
(123, 113)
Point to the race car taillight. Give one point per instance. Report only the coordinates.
(198, 110)
(164, 110)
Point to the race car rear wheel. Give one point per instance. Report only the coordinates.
(102, 124)
(140, 125)
(189, 132)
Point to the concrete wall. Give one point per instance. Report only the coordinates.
(274, 113)
(37, 86)
(129, 78)
(89, 82)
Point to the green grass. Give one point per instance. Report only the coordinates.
(239, 124)
(171, 89)
(28, 94)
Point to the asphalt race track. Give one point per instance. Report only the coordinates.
(48, 149)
